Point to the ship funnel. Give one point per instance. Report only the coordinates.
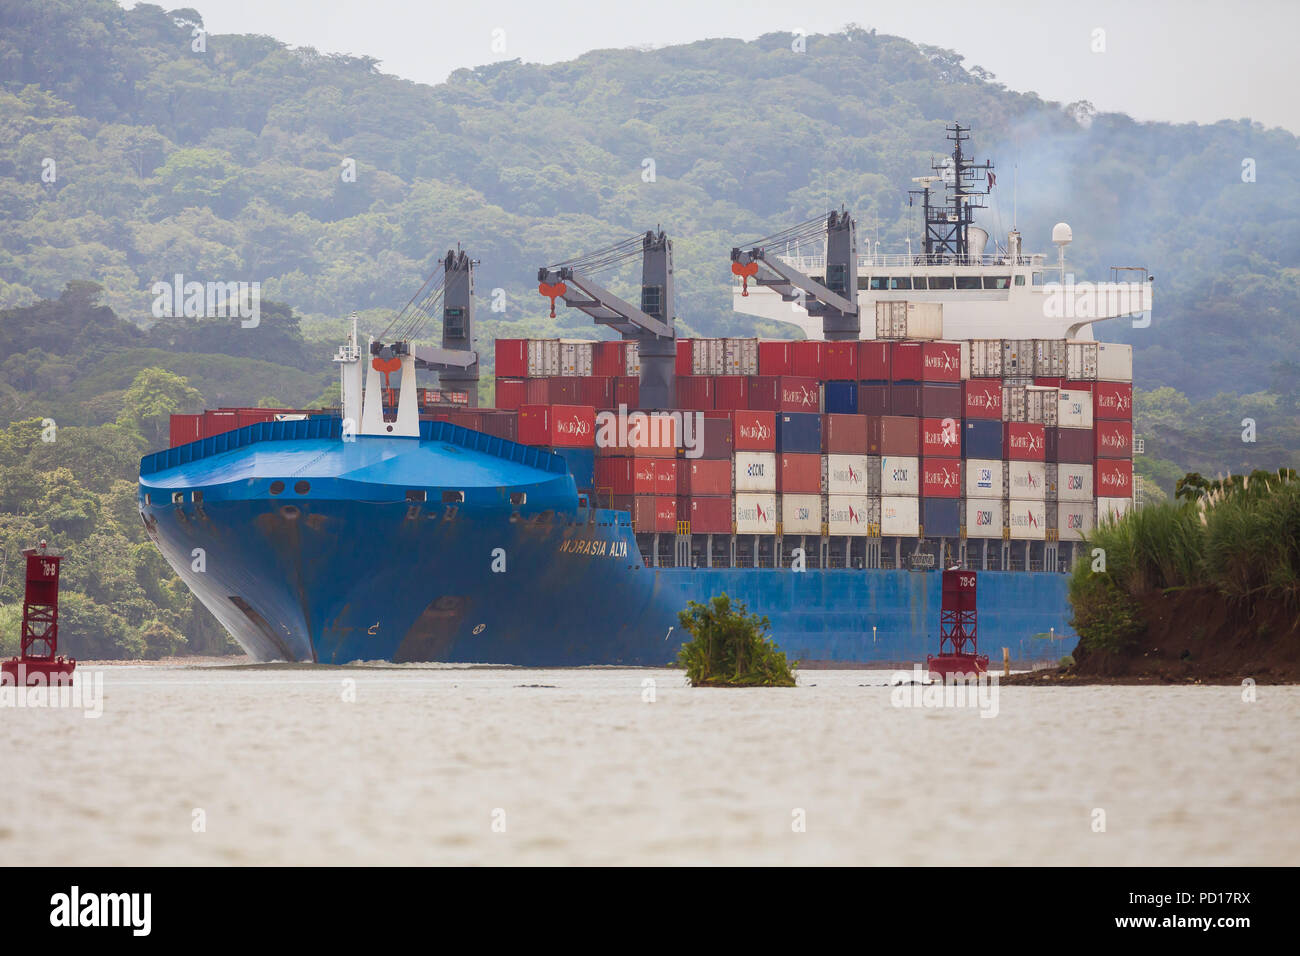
(976, 240)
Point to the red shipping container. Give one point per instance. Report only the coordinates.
(650, 513)
(537, 391)
(905, 399)
(982, 398)
(941, 361)
(695, 392)
(709, 515)
(511, 393)
(666, 477)
(840, 361)
(682, 364)
(666, 514)
(893, 435)
(731, 392)
(844, 434)
(1112, 401)
(219, 422)
(185, 429)
(253, 416)
(785, 393)
(1024, 441)
(596, 391)
(1114, 439)
(628, 476)
(873, 361)
(754, 430)
(1113, 478)
(941, 437)
(799, 474)
(501, 425)
(627, 391)
(455, 416)
(941, 400)
(717, 441)
(702, 476)
(565, 426)
(808, 358)
(609, 359)
(1073, 445)
(511, 357)
(1049, 382)
(873, 399)
(906, 362)
(941, 477)
(775, 358)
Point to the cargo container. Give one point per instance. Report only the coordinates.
(1113, 478)
(1018, 358)
(855, 515)
(909, 320)
(840, 361)
(941, 437)
(905, 399)
(682, 366)
(900, 516)
(801, 514)
(1074, 408)
(753, 430)
(501, 424)
(1112, 509)
(717, 440)
(1074, 519)
(785, 393)
(1072, 445)
(740, 356)
(189, 428)
(941, 478)
(799, 432)
(984, 518)
(511, 392)
(900, 475)
(941, 362)
(844, 434)
(695, 392)
(893, 435)
(941, 517)
(708, 514)
(543, 358)
(1049, 357)
(841, 397)
(873, 361)
(627, 391)
(1041, 405)
(1114, 362)
(511, 356)
(906, 362)
(775, 358)
(705, 476)
(1025, 479)
(632, 359)
(707, 357)
(756, 513)
(731, 392)
(595, 391)
(1068, 481)
(799, 474)
(1023, 441)
(1114, 440)
(631, 476)
(982, 398)
(807, 359)
(651, 514)
(565, 426)
(666, 476)
(982, 438)
(755, 471)
(576, 357)
(1027, 519)
(608, 359)
(983, 478)
(940, 400)
(985, 358)
(1081, 361)
(873, 398)
(852, 474)
(1112, 401)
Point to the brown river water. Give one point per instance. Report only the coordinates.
(451, 765)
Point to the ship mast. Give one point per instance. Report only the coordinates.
(947, 226)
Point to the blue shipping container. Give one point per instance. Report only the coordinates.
(582, 465)
(982, 438)
(799, 433)
(941, 517)
(842, 398)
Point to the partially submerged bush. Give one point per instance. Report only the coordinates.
(729, 647)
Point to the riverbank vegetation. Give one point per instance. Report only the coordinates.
(730, 647)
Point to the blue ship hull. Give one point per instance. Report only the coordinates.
(309, 548)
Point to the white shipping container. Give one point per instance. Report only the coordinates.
(985, 358)
(1071, 482)
(900, 517)
(801, 514)
(909, 320)
(754, 471)
(575, 357)
(755, 514)
(965, 359)
(1026, 479)
(1109, 509)
(740, 356)
(632, 359)
(900, 476)
(707, 356)
(1041, 404)
(1081, 361)
(1074, 519)
(1027, 519)
(1074, 408)
(983, 478)
(852, 474)
(983, 517)
(1049, 357)
(891, 320)
(1114, 362)
(852, 514)
(1014, 407)
(1018, 358)
(543, 358)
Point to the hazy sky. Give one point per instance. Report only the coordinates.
(1178, 60)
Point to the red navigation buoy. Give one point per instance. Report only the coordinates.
(958, 650)
(39, 664)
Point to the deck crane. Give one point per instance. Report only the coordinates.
(833, 296)
(650, 325)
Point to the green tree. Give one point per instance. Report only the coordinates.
(154, 396)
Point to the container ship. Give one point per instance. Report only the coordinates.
(947, 408)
